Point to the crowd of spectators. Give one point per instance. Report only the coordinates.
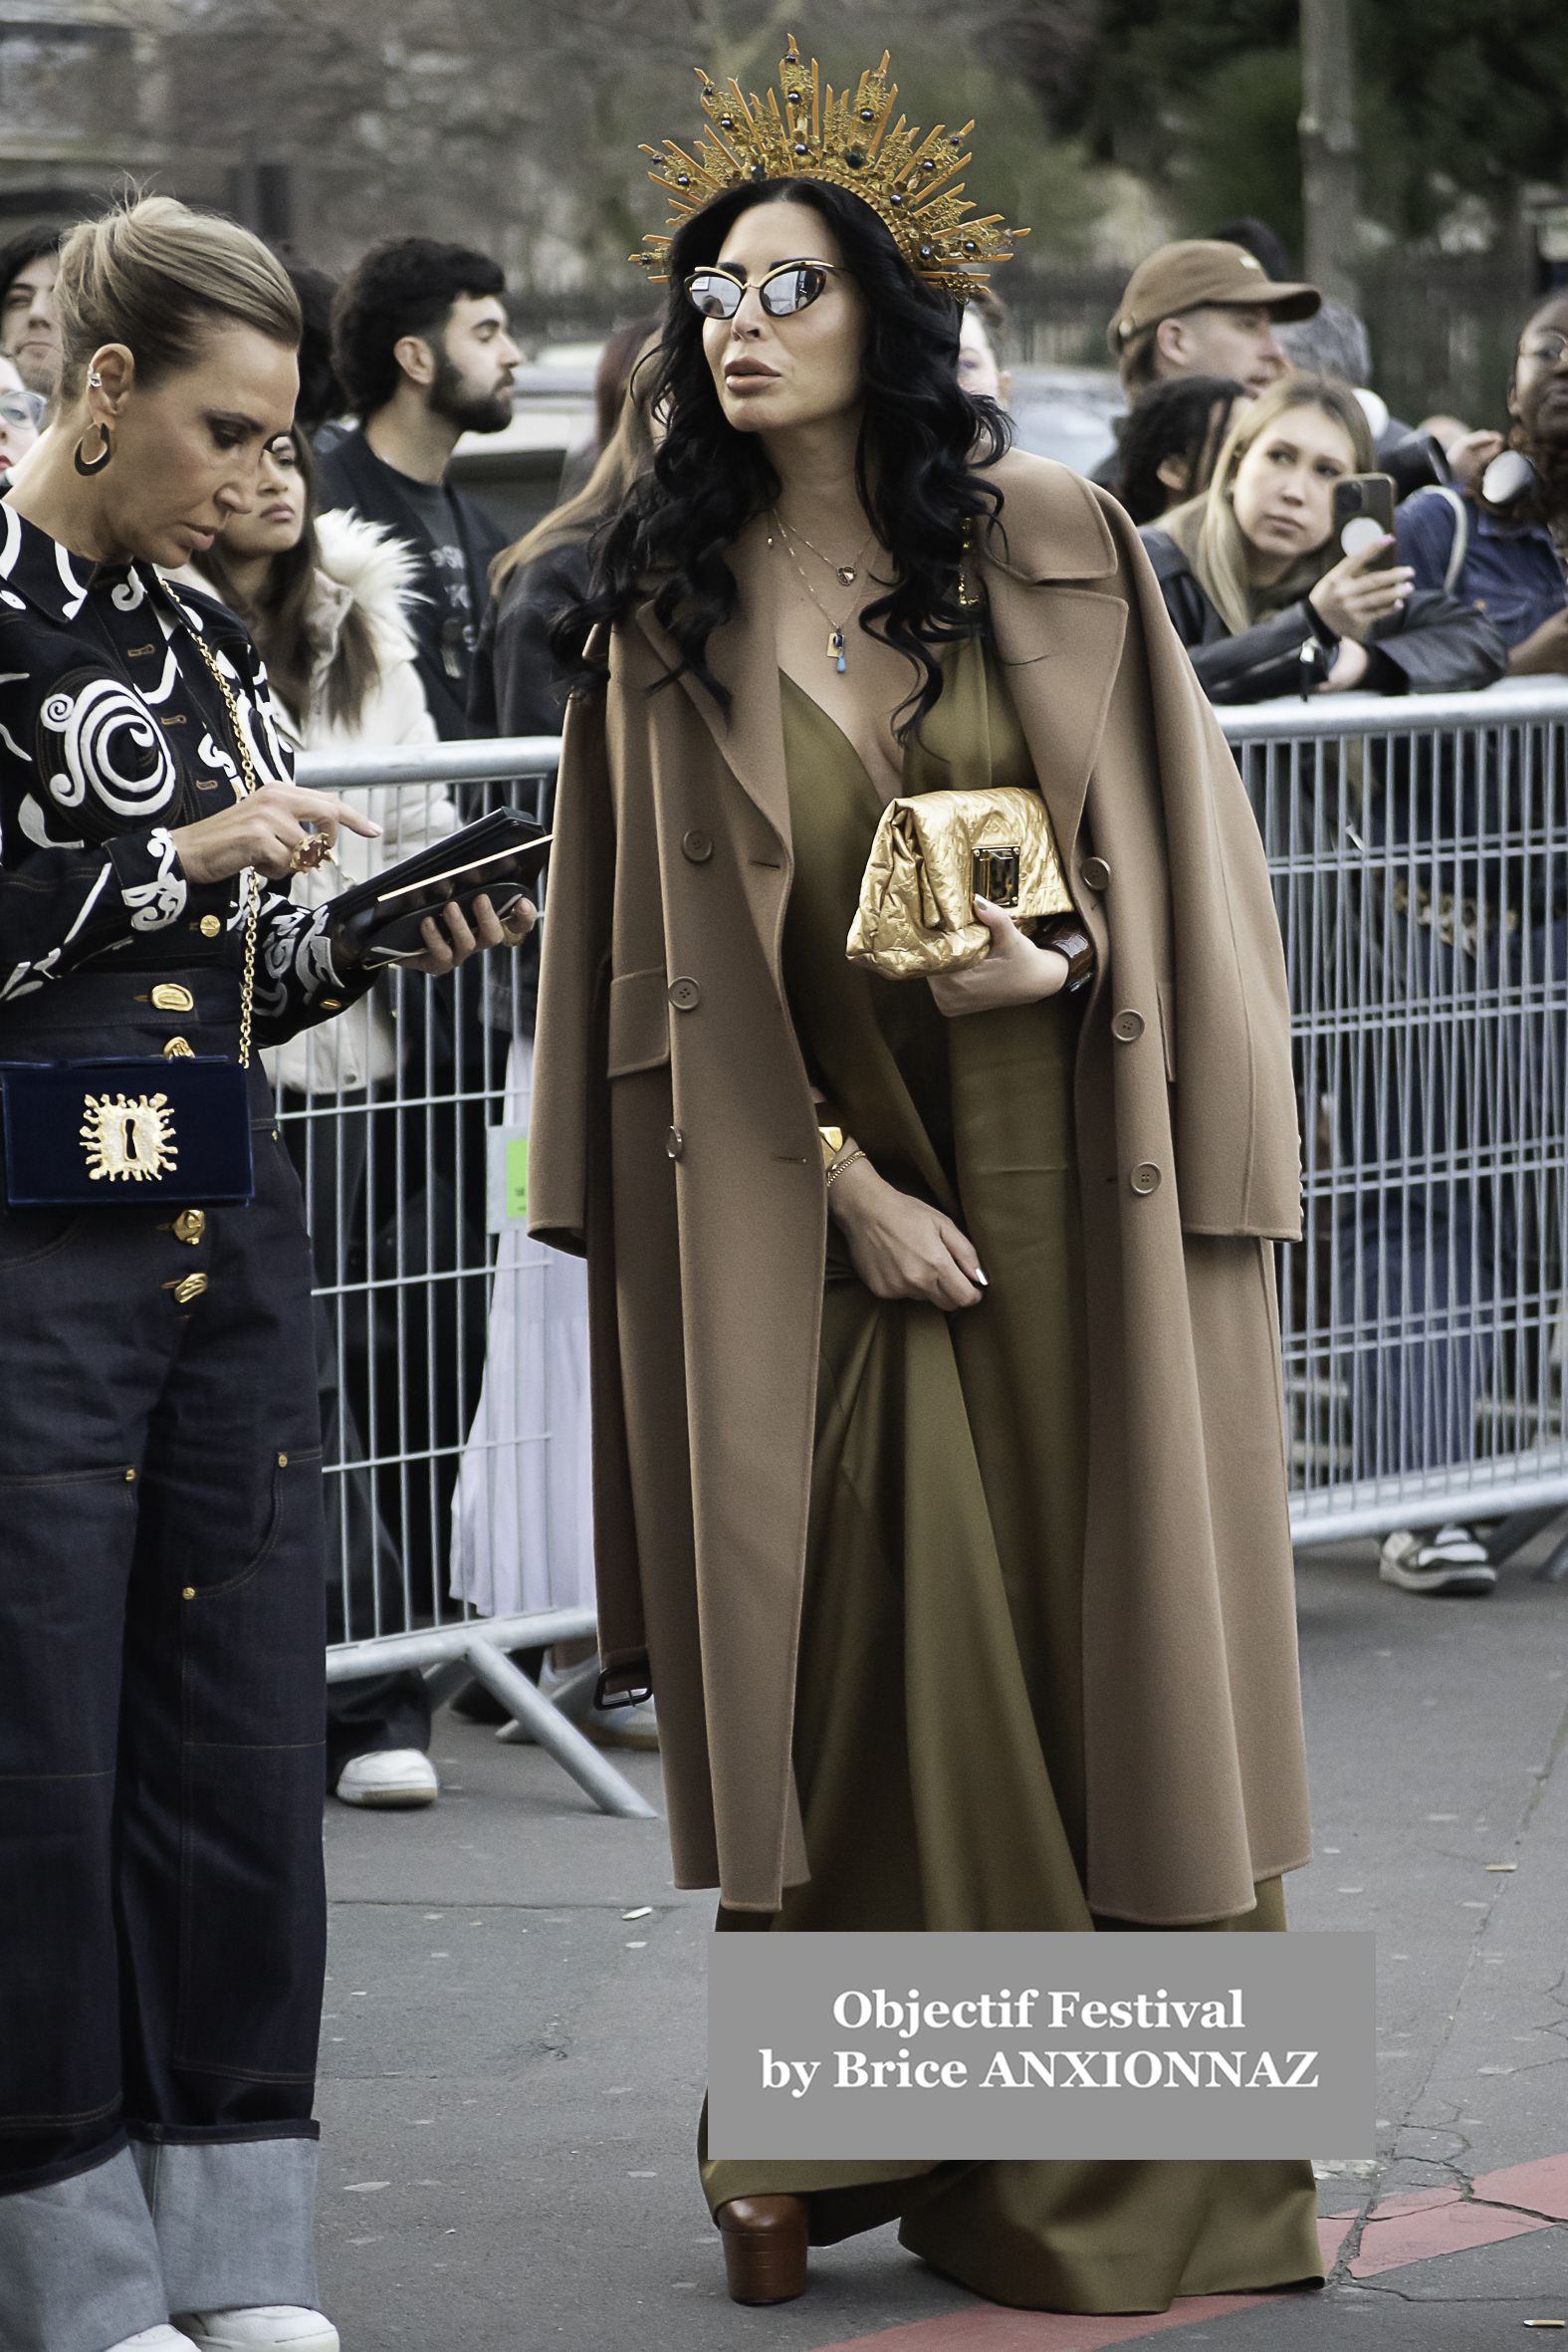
(390, 612)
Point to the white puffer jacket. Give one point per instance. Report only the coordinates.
(361, 565)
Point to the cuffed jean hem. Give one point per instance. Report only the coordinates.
(159, 2227)
(235, 2220)
(78, 2263)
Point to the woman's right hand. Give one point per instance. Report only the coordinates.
(265, 829)
(1351, 599)
(1471, 455)
(901, 1247)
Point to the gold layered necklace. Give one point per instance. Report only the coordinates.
(848, 573)
(845, 573)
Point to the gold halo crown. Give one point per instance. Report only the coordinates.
(851, 143)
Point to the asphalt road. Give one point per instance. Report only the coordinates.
(512, 2068)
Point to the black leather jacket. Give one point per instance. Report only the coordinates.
(1436, 645)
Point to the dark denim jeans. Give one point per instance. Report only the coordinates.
(162, 1917)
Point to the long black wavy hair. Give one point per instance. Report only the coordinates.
(919, 467)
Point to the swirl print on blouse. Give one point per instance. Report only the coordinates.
(96, 738)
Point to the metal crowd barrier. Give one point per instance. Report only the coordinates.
(451, 1352)
(1419, 849)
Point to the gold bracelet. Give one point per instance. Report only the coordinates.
(839, 1166)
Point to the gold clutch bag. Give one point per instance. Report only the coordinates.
(931, 857)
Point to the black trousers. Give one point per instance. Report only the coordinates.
(162, 1914)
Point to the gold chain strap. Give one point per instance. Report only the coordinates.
(248, 777)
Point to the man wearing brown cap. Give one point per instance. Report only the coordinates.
(1204, 307)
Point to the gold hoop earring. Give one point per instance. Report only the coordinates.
(93, 465)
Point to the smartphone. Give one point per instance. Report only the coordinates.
(1364, 511)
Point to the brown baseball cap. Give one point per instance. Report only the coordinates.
(1198, 271)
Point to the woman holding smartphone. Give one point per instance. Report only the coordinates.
(161, 1629)
(1262, 597)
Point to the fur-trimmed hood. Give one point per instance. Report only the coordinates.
(364, 564)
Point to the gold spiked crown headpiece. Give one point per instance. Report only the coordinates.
(853, 143)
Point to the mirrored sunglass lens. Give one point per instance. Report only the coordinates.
(713, 296)
(791, 290)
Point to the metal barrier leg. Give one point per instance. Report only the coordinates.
(575, 1755)
(572, 1697)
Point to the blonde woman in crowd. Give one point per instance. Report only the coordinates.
(1262, 597)
(163, 1930)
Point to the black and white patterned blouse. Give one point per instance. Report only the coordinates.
(112, 732)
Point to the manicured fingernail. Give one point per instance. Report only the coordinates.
(978, 1276)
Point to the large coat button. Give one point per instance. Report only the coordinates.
(1127, 1027)
(675, 1142)
(1146, 1177)
(684, 993)
(698, 846)
(1096, 872)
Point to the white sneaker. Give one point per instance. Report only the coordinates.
(1450, 1562)
(161, 2338)
(390, 1779)
(624, 1726)
(270, 2327)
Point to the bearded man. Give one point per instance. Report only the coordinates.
(421, 346)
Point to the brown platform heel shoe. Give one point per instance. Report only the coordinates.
(764, 2247)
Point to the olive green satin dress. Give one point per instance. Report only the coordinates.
(939, 1729)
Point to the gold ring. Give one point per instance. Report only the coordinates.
(515, 937)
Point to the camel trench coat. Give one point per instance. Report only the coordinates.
(674, 1140)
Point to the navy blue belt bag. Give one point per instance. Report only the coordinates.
(122, 1130)
(126, 1131)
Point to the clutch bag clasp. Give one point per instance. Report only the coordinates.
(996, 874)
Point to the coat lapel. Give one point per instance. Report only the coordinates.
(1062, 644)
(744, 656)
(1059, 642)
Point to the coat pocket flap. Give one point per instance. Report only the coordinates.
(640, 1022)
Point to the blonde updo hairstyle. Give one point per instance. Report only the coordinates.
(155, 276)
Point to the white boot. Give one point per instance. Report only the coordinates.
(270, 2327)
(161, 2338)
